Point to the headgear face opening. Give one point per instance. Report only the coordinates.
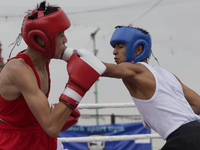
(47, 27)
(132, 38)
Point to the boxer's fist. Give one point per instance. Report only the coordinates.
(83, 69)
(67, 53)
(72, 120)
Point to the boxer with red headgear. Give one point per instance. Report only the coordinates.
(47, 26)
(26, 119)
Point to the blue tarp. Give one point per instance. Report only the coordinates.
(107, 130)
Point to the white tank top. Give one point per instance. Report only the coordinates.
(167, 109)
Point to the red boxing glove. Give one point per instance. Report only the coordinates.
(83, 72)
(72, 120)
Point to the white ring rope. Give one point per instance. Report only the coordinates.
(105, 105)
(109, 138)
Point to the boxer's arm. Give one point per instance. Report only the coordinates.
(122, 70)
(192, 97)
(52, 121)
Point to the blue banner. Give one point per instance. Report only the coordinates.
(108, 130)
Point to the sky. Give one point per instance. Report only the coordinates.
(173, 25)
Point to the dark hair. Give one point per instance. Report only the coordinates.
(47, 10)
(143, 31)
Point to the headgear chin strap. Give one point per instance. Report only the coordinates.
(47, 27)
(132, 38)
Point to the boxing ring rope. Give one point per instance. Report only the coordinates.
(108, 138)
(105, 105)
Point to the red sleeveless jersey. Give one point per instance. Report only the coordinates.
(22, 131)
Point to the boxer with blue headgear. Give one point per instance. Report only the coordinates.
(132, 38)
(165, 104)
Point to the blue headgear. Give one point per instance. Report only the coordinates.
(132, 37)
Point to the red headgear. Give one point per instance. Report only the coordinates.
(47, 27)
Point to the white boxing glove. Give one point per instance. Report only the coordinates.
(67, 53)
(92, 60)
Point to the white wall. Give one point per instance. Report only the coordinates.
(173, 25)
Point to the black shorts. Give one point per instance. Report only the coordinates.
(186, 137)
